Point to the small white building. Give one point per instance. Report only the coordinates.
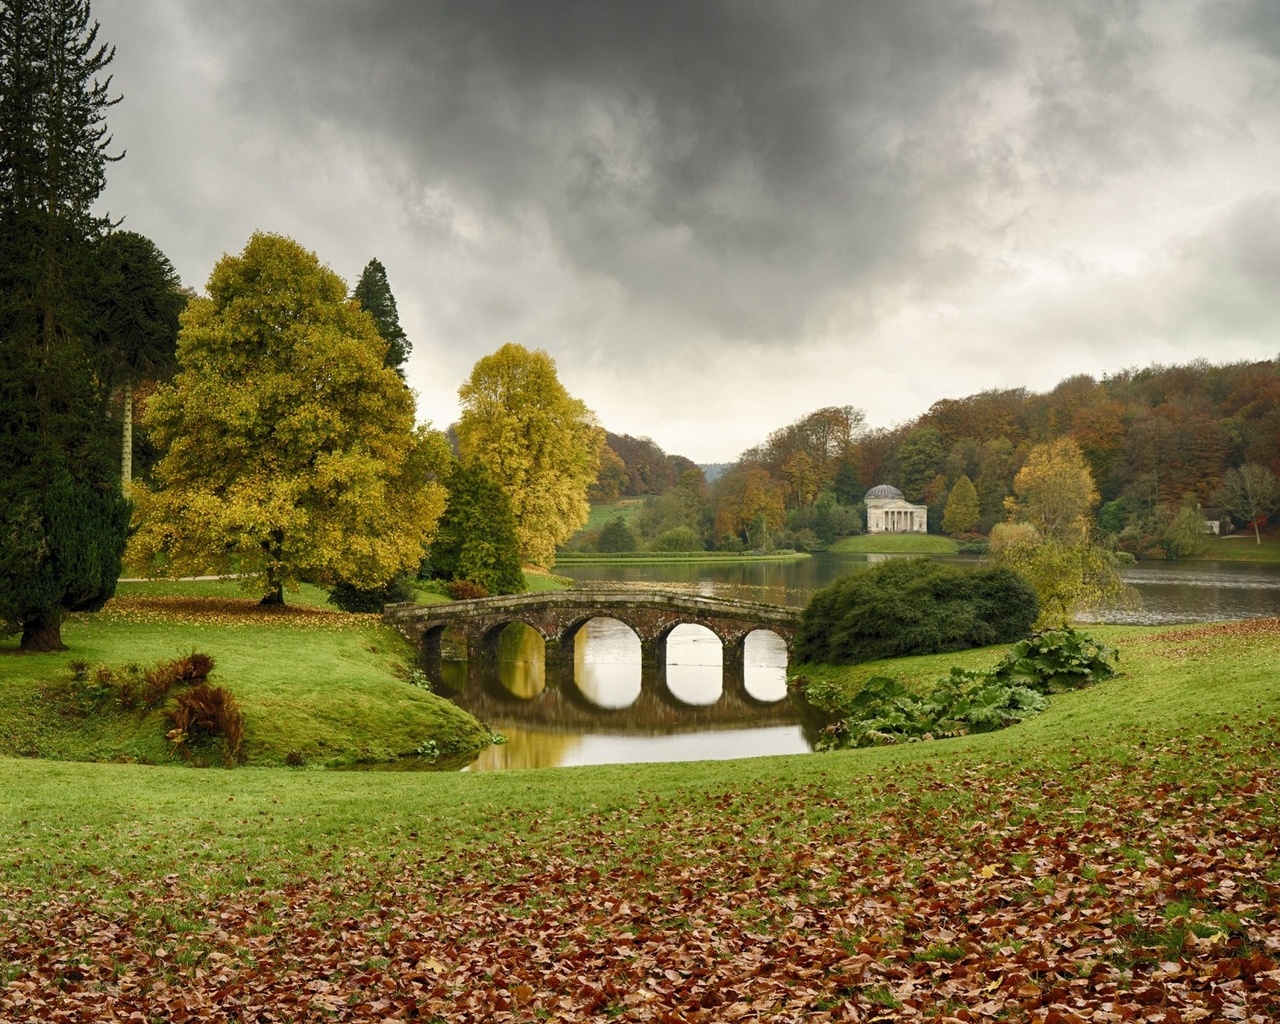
(889, 512)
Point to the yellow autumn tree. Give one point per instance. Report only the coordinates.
(1049, 536)
(290, 448)
(538, 442)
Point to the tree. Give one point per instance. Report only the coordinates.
(1055, 492)
(373, 292)
(1250, 493)
(1049, 536)
(476, 540)
(918, 460)
(961, 513)
(611, 477)
(290, 447)
(616, 536)
(1067, 577)
(540, 444)
(137, 300)
(63, 522)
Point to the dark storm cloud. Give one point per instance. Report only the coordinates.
(720, 215)
(727, 161)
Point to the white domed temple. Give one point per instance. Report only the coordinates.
(888, 511)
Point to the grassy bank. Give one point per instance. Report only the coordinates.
(1115, 854)
(317, 686)
(669, 557)
(896, 544)
(1243, 549)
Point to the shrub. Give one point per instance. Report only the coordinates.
(681, 538)
(350, 598)
(914, 606)
(193, 667)
(206, 712)
(885, 712)
(158, 682)
(465, 590)
(1057, 659)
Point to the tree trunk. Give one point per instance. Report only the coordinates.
(43, 633)
(1256, 535)
(274, 596)
(126, 447)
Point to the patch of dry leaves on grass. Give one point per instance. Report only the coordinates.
(1095, 892)
(230, 611)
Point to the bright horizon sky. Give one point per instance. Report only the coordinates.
(718, 217)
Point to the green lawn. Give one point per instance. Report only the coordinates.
(314, 684)
(663, 557)
(1117, 850)
(623, 509)
(1243, 549)
(896, 543)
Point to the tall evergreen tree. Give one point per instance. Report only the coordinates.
(62, 520)
(373, 292)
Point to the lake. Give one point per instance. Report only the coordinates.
(606, 710)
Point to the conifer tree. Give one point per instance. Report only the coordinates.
(961, 513)
(62, 521)
(373, 292)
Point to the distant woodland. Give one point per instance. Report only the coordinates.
(1157, 440)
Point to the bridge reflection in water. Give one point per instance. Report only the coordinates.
(608, 687)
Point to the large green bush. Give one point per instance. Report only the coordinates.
(914, 606)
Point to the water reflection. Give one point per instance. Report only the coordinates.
(607, 706)
(695, 665)
(1171, 592)
(764, 670)
(522, 661)
(606, 663)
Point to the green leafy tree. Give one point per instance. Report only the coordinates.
(63, 522)
(1250, 493)
(540, 444)
(616, 536)
(919, 459)
(373, 292)
(290, 448)
(961, 514)
(476, 540)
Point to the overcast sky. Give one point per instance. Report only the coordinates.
(717, 217)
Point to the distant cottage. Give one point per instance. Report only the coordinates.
(889, 512)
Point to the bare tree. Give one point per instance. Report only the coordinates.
(1250, 493)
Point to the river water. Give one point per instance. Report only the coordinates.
(607, 710)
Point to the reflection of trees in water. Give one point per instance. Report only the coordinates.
(526, 749)
(522, 661)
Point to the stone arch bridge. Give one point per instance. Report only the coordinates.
(558, 615)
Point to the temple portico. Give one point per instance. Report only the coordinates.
(888, 511)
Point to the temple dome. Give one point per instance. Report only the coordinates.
(882, 491)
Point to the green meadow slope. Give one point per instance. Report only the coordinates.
(1113, 857)
(317, 686)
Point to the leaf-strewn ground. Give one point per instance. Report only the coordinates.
(1115, 859)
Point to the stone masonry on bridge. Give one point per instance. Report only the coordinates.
(558, 616)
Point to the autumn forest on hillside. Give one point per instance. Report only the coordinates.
(1155, 440)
